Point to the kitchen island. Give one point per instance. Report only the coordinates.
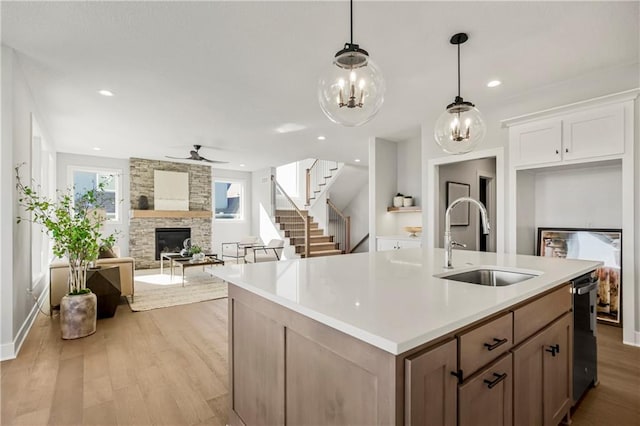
(376, 338)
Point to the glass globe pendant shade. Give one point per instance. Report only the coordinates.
(460, 128)
(351, 90)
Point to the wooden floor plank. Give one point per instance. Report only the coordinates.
(169, 366)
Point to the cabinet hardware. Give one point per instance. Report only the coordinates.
(495, 344)
(566, 150)
(555, 349)
(458, 374)
(557, 152)
(499, 378)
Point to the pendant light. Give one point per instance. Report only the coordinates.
(351, 90)
(461, 127)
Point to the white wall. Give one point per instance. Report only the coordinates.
(358, 210)
(579, 198)
(465, 172)
(64, 160)
(383, 180)
(408, 169)
(18, 306)
(223, 231)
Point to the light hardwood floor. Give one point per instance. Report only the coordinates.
(169, 366)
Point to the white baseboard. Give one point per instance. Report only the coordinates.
(636, 341)
(7, 352)
(11, 350)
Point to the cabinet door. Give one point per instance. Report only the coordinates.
(541, 374)
(385, 244)
(487, 398)
(409, 244)
(593, 133)
(556, 370)
(430, 388)
(536, 143)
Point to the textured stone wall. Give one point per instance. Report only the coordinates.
(142, 235)
(141, 178)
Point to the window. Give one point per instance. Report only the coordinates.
(229, 199)
(85, 179)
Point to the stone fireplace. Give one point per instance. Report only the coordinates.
(143, 223)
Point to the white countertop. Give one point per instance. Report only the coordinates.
(391, 299)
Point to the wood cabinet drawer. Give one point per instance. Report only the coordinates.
(487, 398)
(485, 343)
(537, 314)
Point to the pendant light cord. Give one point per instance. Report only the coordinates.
(458, 70)
(351, 13)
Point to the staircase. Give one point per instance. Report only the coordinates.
(293, 226)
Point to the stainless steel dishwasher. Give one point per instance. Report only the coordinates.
(585, 352)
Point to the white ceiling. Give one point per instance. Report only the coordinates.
(227, 74)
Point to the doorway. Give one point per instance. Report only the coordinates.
(477, 169)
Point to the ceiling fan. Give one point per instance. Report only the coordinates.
(194, 155)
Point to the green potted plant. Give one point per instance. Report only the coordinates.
(75, 227)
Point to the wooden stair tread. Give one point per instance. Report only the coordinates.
(325, 253)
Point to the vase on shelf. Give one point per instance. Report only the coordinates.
(398, 201)
(407, 202)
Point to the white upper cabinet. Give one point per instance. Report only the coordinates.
(536, 143)
(584, 135)
(594, 133)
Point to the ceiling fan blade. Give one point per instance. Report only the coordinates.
(179, 158)
(213, 161)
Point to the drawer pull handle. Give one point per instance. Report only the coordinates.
(495, 344)
(457, 374)
(498, 379)
(554, 349)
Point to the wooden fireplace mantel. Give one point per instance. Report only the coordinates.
(136, 214)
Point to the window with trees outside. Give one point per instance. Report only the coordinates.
(229, 200)
(85, 179)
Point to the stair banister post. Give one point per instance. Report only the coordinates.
(307, 236)
(308, 191)
(347, 238)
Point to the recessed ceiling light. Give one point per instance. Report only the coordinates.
(95, 148)
(357, 160)
(494, 83)
(105, 92)
(321, 138)
(241, 165)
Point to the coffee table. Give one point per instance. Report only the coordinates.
(187, 262)
(171, 256)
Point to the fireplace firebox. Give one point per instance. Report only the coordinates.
(170, 240)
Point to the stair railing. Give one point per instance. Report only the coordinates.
(316, 177)
(300, 223)
(339, 226)
(365, 238)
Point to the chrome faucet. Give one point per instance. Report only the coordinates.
(448, 242)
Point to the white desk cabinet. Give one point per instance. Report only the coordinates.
(397, 242)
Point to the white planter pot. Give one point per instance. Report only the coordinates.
(398, 201)
(408, 202)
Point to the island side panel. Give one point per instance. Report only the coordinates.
(329, 376)
(257, 372)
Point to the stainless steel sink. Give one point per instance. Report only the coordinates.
(489, 277)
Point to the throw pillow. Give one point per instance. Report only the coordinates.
(106, 253)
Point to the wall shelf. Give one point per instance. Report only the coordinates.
(413, 209)
(137, 214)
